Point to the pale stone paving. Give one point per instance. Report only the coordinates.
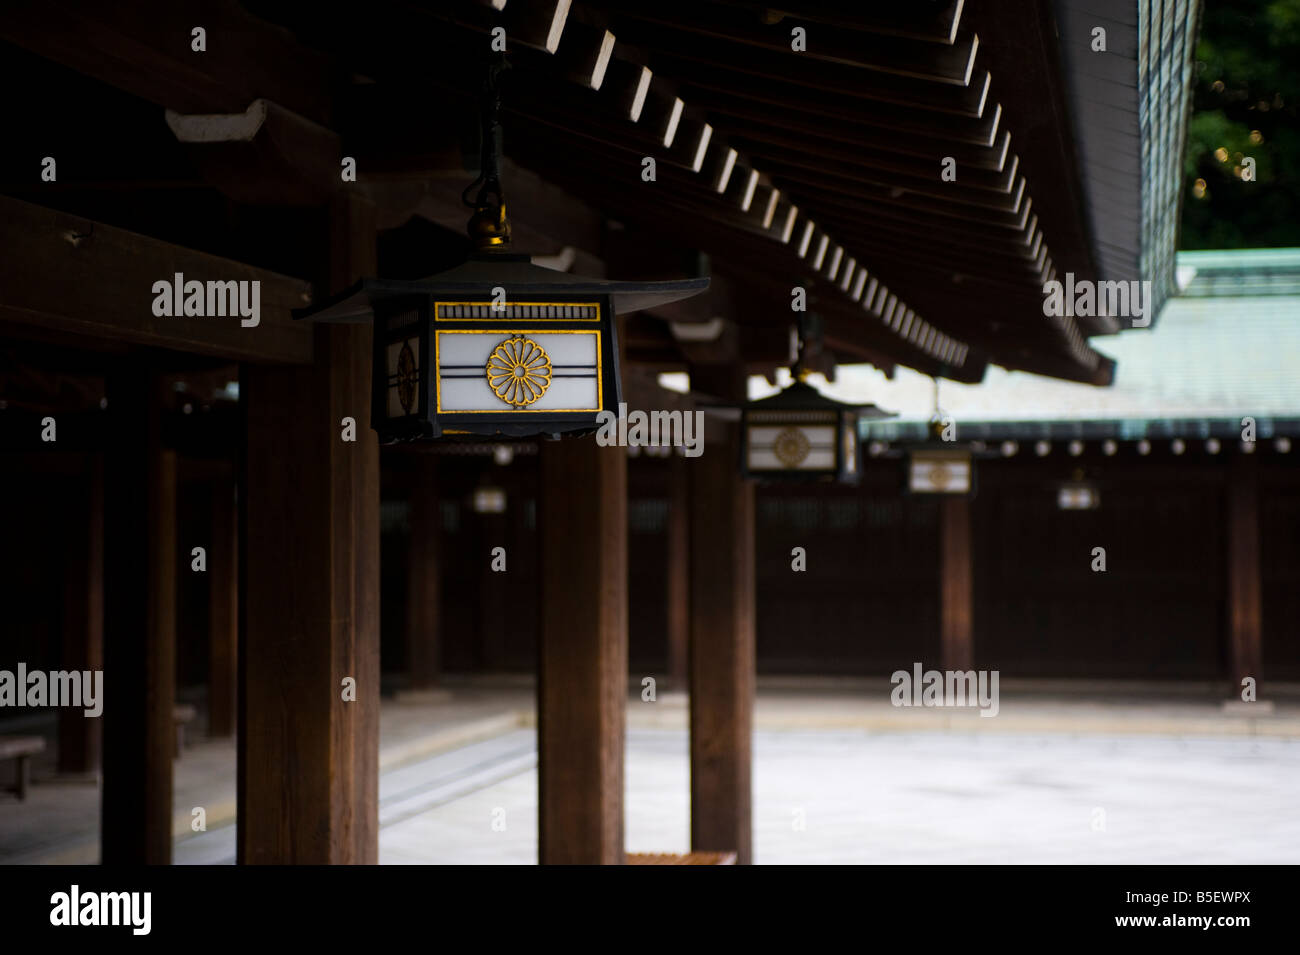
(839, 776)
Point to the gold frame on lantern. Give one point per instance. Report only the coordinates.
(437, 365)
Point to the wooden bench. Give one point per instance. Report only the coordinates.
(21, 749)
(182, 713)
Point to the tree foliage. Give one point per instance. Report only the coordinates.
(1245, 98)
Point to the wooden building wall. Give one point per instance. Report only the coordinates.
(1279, 518)
(1157, 611)
(38, 523)
(868, 602)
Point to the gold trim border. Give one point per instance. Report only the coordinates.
(600, 366)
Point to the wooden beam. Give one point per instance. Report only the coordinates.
(935, 22)
(85, 278)
(582, 658)
(689, 59)
(540, 25)
(139, 623)
(1245, 606)
(223, 609)
(1025, 59)
(724, 236)
(146, 48)
(721, 648)
(309, 567)
(956, 637)
(741, 37)
(264, 155)
(80, 737)
(788, 110)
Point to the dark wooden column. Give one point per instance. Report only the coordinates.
(83, 633)
(678, 555)
(423, 572)
(139, 623)
(721, 648)
(956, 617)
(582, 657)
(1244, 601)
(309, 569)
(223, 609)
(495, 530)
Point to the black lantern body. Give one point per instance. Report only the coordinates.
(799, 434)
(497, 346)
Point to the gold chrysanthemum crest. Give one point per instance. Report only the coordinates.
(791, 447)
(519, 371)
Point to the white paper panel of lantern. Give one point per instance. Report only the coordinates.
(939, 472)
(799, 433)
(791, 446)
(521, 370)
(489, 500)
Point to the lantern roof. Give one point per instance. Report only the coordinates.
(516, 273)
(802, 396)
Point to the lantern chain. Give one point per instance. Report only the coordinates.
(489, 226)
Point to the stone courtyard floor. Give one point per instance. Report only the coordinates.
(1125, 776)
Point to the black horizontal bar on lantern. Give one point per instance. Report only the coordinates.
(515, 310)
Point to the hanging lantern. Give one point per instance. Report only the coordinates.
(1078, 493)
(940, 467)
(941, 464)
(940, 471)
(800, 434)
(496, 346)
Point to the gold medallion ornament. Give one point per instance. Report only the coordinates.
(941, 476)
(791, 447)
(519, 371)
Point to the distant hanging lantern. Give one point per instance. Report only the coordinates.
(939, 466)
(496, 346)
(800, 434)
(1077, 495)
(932, 470)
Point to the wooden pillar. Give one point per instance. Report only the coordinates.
(309, 570)
(494, 585)
(678, 595)
(956, 617)
(1244, 600)
(423, 572)
(139, 623)
(582, 656)
(83, 634)
(721, 571)
(223, 610)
